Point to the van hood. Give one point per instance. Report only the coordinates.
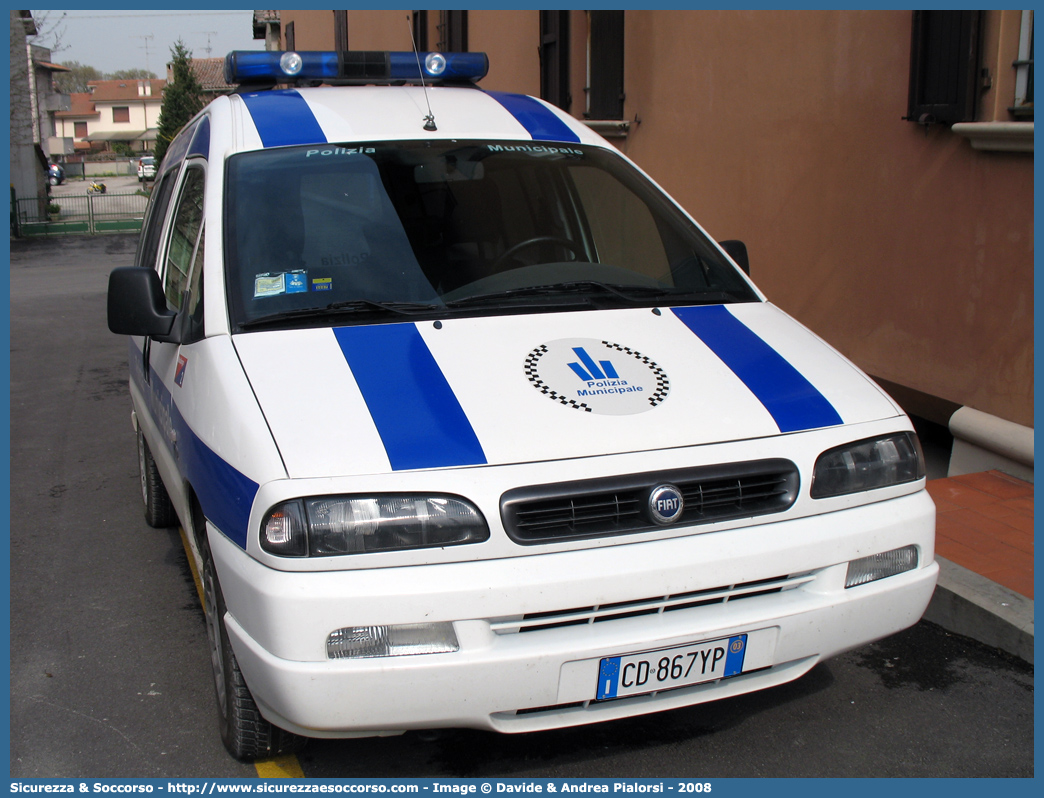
(498, 390)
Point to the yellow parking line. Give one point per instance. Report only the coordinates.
(277, 767)
(280, 767)
(192, 565)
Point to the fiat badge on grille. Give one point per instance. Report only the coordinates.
(666, 504)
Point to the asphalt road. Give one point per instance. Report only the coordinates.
(110, 675)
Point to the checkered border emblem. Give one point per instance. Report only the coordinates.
(663, 384)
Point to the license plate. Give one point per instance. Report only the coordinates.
(671, 667)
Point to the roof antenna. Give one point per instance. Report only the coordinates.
(429, 120)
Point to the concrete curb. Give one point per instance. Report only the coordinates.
(971, 605)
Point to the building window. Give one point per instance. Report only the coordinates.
(291, 43)
(79, 129)
(420, 30)
(453, 32)
(1023, 107)
(340, 30)
(944, 67)
(605, 83)
(554, 58)
(121, 114)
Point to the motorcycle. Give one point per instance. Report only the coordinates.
(96, 188)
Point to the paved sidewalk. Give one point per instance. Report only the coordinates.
(984, 545)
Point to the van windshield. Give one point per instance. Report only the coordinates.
(339, 234)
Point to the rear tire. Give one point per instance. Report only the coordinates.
(246, 734)
(159, 510)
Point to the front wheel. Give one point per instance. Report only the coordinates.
(245, 733)
(159, 510)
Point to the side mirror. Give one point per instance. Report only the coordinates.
(737, 250)
(136, 305)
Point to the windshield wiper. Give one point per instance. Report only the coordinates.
(347, 307)
(635, 294)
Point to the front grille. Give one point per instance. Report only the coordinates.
(581, 616)
(619, 505)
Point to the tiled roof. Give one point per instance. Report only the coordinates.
(80, 104)
(116, 90)
(50, 66)
(210, 72)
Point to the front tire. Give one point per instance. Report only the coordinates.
(159, 510)
(245, 733)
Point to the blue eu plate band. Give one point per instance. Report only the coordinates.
(791, 400)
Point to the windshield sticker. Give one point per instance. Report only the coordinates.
(269, 284)
(597, 376)
(297, 282)
(322, 283)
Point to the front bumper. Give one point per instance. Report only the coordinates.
(513, 682)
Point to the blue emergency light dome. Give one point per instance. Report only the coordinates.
(353, 66)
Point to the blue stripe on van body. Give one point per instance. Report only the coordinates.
(417, 415)
(792, 400)
(225, 494)
(283, 118)
(535, 117)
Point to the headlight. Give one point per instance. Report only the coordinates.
(330, 525)
(869, 464)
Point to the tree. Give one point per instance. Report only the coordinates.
(75, 80)
(130, 74)
(182, 99)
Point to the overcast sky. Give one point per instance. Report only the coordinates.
(115, 40)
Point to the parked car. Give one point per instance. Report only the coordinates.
(146, 169)
(55, 174)
(469, 424)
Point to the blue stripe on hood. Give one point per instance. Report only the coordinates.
(792, 400)
(417, 415)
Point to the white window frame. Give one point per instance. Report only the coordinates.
(1024, 63)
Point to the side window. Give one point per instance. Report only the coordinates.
(184, 237)
(148, 245)
(194, 328)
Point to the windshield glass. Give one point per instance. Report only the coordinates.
(337, 234)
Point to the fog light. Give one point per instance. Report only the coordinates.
(879, 566)
(356, 642)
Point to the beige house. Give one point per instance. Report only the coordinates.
(896, 224)
(113, 111)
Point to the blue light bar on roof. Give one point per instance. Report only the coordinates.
(353, 66)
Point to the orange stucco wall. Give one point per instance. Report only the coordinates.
(905, 248)
(908, 250)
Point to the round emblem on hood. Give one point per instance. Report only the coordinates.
(597, 376)
(666, 504)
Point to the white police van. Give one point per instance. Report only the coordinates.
(468, 424)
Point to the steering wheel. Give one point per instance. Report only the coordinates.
(572, 246)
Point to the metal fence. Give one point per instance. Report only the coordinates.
(89, 214)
